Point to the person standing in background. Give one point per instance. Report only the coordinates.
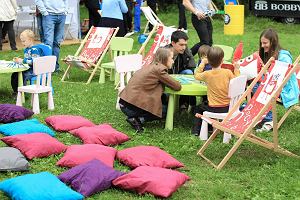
(112, 15)
(137, 16)
(8, 14)
(152, 5)
(39, 24)
(94, 17)
(53, 23)
(128, 16)
(201, 23)
(182, 24)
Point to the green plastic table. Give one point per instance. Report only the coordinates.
(193, 88)
(4, 70)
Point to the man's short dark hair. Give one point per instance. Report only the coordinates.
(177, 35)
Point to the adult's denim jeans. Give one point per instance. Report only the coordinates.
(53, 27)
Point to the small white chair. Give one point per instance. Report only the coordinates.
(43, 68)
(236, 89)
(125, 66)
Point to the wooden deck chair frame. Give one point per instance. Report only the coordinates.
(294, 107)
(151, 18)
(94, 67)
(248, 134)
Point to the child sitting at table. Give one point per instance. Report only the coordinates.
(217, 81)
(202, 53)
(31, 51)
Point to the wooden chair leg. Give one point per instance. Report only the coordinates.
(210, 139)
(66, 73)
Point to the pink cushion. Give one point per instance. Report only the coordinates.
(147, 156)
(36, 145)
(78, 154)
(67, 122)
(154, 180)
(103, 134)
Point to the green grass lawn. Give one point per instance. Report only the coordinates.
(252, 172)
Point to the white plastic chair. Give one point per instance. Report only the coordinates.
(125, 66)
(43, 68)
(236, 89)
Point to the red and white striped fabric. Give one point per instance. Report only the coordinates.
(162, 38)
(96, 43)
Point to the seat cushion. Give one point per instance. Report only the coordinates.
(147, 156)
(25, 127)
(12, 113)
(103, 134)
(67, 122)
(39, 186)
(91, 177)
(35, 145)
(154, 180)
(78, 154)
(11, 159)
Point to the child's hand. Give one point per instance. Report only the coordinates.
(17, 60)
(236, 65)
(198, 115)
(204, 60)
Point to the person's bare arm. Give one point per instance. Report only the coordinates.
(188, 5)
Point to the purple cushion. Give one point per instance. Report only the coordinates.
(12, 113)
(90, 177)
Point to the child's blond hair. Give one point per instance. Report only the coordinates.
(28, 33)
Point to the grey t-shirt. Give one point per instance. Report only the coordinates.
(201, 5)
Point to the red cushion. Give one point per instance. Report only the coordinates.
(103, 134)
(147, 156)
(67, 122)
(78, 154)
(36, 145)
(154, 180)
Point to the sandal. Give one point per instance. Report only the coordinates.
(267, 126)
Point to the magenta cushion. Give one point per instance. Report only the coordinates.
(67, 122)
(78, 154)
(102, 134)
(12, 113)
(154, 180)
(91, 177)
(147, 156)
(36, 145)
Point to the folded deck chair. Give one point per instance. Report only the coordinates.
(276, 76)
(91, 51)
(151, 18)
(162, 38)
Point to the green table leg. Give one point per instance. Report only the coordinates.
(170, 113)
(20, 83)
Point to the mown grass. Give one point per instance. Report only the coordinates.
(252, 173)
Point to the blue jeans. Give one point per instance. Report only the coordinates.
(53, 27)
(187, 71)
(137, 16)
(269, 116)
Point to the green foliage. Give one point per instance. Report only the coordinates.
(252, 173)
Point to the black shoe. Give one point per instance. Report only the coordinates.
(136, 124)
(195, 131)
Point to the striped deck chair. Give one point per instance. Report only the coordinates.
(162, 38)
(92, 50)
(276, 76)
